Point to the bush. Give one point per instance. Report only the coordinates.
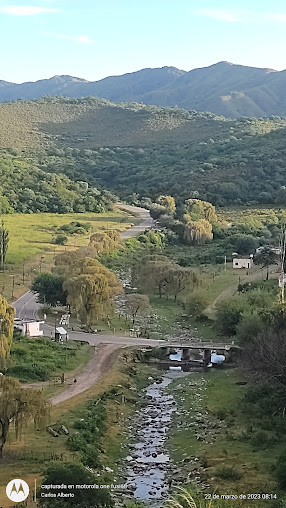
(229, 314)
(260, 439)
(280, 471)
(61, 239)
(73, 474)
(196, 302)
(249, 327)
(75, 227)
(228, 473)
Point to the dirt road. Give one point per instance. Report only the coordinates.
(230, 291)
(100, 363)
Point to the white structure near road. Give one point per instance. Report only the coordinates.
(242, 263)
(27, 327)
(61, 334)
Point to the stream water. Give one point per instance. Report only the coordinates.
(149, 467)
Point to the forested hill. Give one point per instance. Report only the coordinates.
(133, 148)
(223, 88)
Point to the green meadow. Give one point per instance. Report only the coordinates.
(31, 243)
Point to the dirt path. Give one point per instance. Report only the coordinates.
(231, 290)
(100, 363)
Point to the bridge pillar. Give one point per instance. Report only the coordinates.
(165, 351)
(207, 356)
(186, 353)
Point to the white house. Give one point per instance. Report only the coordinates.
(242, 263)
(29, 328)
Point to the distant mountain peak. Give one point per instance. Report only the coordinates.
(223, 88)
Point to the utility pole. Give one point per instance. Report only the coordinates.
(23, 274)
(41, 262)
(13, 286)
(282, 260)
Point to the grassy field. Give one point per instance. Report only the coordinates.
(41, 359)
(32, 248)
(222, 399)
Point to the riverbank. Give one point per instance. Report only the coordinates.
(209, 436)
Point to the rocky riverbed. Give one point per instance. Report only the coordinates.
(148, 466)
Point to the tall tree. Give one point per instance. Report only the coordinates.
(198, 232)
(168, 203)
(266, 258)
(103, 242)
(17, 406)
(182, 279)
(7, 313)
(91, 290)
(153, 273)
(4, 241)
(136, 304)
(49, 287)
(198, 209)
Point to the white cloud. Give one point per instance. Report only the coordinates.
(82, 39)
(25, 10)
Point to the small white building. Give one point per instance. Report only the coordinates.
(61, 335)
(27, 327)
(242, 263)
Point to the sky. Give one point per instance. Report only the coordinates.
(92, 39)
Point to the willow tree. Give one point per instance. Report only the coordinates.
(66, 263)
(182, 280)
(91, 290)
(168, 203)
(18, 406)
(198, 232)
(104, 242)
(198, 209)
(7, 313)
(154, 274)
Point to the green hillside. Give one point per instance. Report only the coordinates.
(131, 148)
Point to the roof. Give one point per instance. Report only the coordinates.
(242, 259)
(18, 321)
(61, 331)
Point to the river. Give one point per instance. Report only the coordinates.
(148, 465)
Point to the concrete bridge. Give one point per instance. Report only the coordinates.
(206, 347)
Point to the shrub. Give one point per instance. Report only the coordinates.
(228, 473)
(61, 239)
(260, 439)
(280, 471)
(249, 326)
(229, 314)
(73, 474)
(196, 302)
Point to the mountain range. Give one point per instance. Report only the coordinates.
(224, 88)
